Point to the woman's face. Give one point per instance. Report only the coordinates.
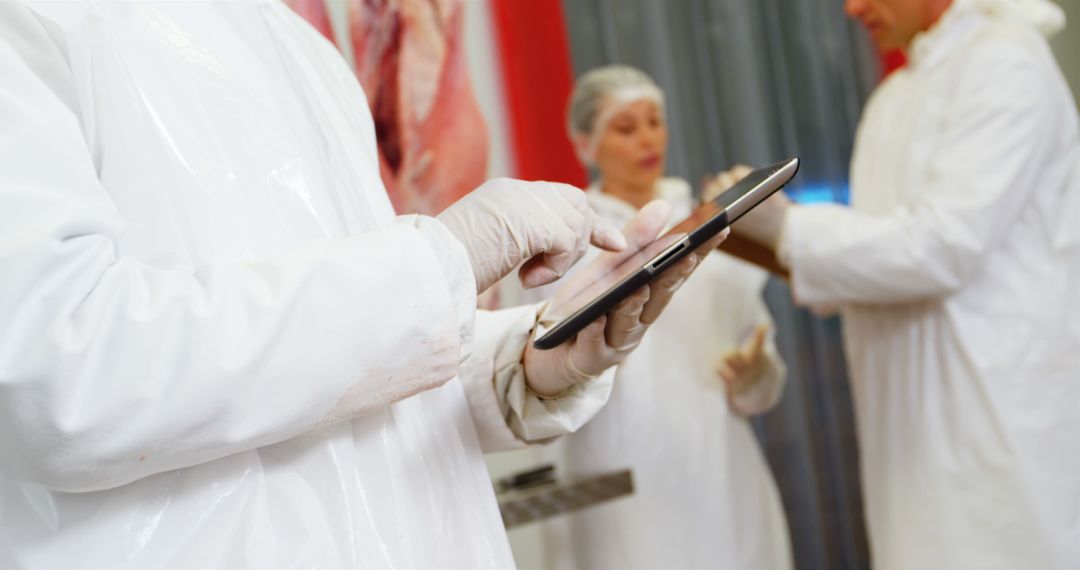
(632, 147)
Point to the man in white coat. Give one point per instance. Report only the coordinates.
(218, 345)
(956, 272)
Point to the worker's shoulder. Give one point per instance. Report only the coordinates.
(36, 44)
(60, 16)
(1008, 58)
(1003, 42)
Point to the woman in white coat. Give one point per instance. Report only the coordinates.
(957, 272)
(703, 494)
(219, 347)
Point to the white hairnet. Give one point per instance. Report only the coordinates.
(1046, 16)
(598, 96)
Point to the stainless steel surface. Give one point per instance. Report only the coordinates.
(524, 506)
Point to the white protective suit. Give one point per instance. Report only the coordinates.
(957, 273)
(703, 493)
(208, 310)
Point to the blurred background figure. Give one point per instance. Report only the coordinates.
(756, 81)
(957, 272)
(703, 494)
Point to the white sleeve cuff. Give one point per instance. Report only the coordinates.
(457, 269)
(795, 252)
(507, 414)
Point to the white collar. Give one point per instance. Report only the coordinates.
(955, 26)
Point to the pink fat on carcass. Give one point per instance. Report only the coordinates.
(410, 60)
(432, 138)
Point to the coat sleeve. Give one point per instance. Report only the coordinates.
(998, 133)
(506, 413)
(112, 369)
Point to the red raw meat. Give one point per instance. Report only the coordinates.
(432, 138)
(410, 59)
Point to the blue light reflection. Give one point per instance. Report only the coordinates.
(818, 193)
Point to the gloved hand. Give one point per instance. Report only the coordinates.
(762, 224)
(505, 222)
(743, 367)
(716, 185)
(607, 341)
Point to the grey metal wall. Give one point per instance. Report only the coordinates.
(1067, 45)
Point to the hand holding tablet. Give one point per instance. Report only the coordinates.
(702, 228)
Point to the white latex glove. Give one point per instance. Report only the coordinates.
(608, 341)
(742, 368)
(547, 225)
(762, 224)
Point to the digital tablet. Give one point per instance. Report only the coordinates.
(704, 223)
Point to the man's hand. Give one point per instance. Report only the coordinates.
(765, 222)
(713, 187)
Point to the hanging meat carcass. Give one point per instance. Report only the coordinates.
(410, 58)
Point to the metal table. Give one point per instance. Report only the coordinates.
(523, 506)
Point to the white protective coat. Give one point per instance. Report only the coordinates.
(208, 310)
(957, 273)
(703, 494)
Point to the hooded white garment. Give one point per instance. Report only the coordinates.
(703, 494)
(957, 269)
(218, 346)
